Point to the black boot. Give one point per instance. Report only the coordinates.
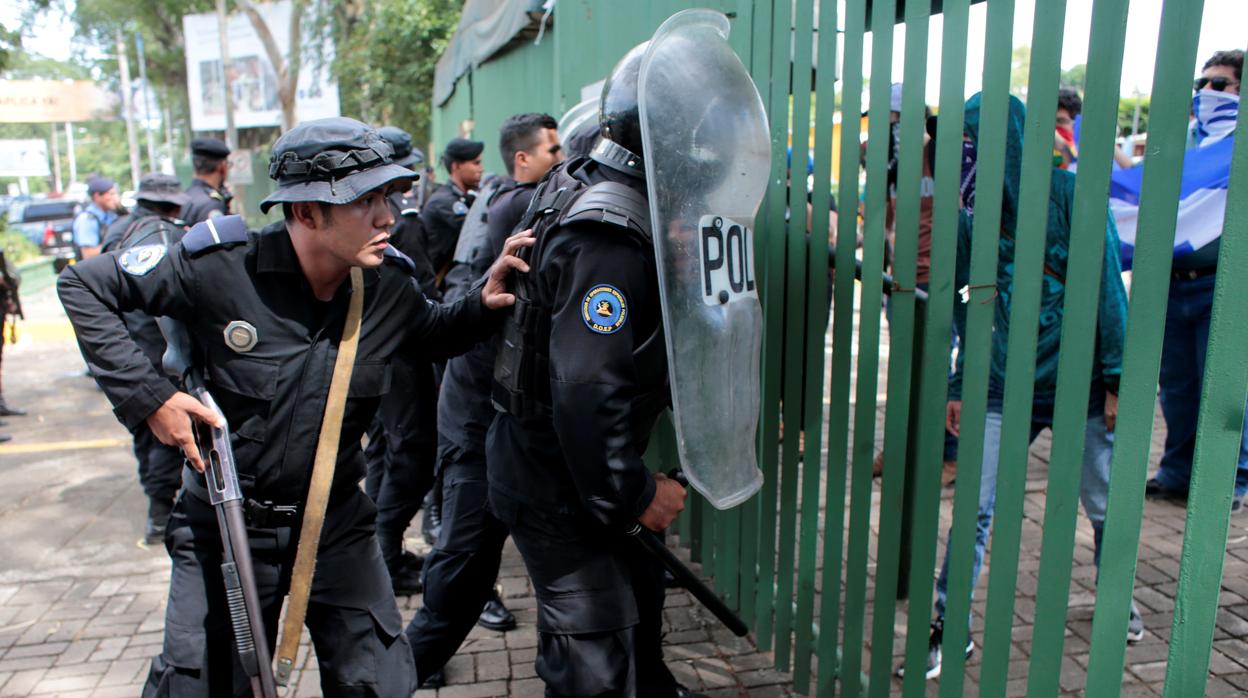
(7, 411)
(495, 616)
(431, 524)
(158, 510)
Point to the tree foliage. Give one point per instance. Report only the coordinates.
(1126, 114)
(1076, 78)
(384, 59)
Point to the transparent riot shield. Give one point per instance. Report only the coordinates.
(577, 115)
(708, 157)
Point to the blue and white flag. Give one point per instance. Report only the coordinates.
(1206, 173)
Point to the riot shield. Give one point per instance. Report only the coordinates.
(708, 157)
(577, 115)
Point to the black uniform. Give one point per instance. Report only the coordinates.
(205, 202)
(403, 441)
(460, 572)
(443, 217)
(160, 466)
(564, 465)
(273, 396)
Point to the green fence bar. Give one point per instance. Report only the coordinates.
(1085, 271)
(868, 342)
(933, 378)
(901, 342)
(773, 349)
(816, 326)
(977, 311)
(795, 321)
(1150, 290)
(842, 337)
(1217, 446)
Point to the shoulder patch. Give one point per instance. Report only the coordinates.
(459, 208)
(604, 309)
(395, 255)
(213, 193)
(138, 261)
(217, 231)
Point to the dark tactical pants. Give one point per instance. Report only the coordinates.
(402, 451)
(599, 604)
(355, 623)
(160, 466)
(461, 570)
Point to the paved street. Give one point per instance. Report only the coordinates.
(81, 601)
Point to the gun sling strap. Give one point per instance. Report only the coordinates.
(322, 478)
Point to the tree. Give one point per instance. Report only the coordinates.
(1076, 78)
(1126, 114)
(286, 68)
(1020, 71)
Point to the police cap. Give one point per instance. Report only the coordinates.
(160, 188)
(99, 184)
(461, 150)
(210, 148)
(404, 154)
(335, 160)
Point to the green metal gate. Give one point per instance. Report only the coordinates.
(801, 580)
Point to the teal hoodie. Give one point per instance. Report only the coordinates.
(1112, 303)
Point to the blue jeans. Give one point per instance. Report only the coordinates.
(1182, 371)
(1093, 488)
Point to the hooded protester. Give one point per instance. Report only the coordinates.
(1107, 364)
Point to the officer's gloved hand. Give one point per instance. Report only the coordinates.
(668, 502)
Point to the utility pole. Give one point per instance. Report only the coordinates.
(56, 161)
(69, 149)
(123, 63)
(147, 111)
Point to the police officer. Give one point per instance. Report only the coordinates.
(403, 439)
(209, 195)
(92, 222)
(580, 381)
(461, 571)
(281, 293)
(444, 212)
(154, 221)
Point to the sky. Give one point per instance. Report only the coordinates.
(1224, 26)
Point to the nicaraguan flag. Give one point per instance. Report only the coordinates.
(1206, 173)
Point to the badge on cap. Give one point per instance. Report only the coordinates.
(241, 336)
(604, 309)
(137, 261)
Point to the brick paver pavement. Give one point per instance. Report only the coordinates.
(81, 604)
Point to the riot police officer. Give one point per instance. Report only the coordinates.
(208, 193)
(154, 221)
(580, 381)
(443, 214)
(403, 438)
(461, 571)
(266, 311)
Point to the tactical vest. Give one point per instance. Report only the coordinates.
(522, 368)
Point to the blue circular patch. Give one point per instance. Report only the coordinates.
(604, 309)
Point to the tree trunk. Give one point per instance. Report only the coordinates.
(287, 69)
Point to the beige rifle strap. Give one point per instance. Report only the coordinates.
(322, 478)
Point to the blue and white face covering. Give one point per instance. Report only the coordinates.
(1215, 114)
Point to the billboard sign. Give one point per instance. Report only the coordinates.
(54, 101)
(27, 157)
(252, 76)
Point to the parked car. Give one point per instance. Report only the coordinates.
(49, 223)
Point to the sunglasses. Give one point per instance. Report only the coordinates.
(1218, 84)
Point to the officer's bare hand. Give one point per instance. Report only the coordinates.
(1111, 411)
(668, 502)
(494, 295)
(171, 423)
(953, 416)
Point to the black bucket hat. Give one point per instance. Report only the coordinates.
(335, 160)
(161, 189)
(404, 154)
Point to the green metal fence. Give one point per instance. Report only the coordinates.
(795, 560)
(802, 580)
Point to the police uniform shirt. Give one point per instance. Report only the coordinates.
(408, 237)
(464, 415)
(443, 216)
(602, 289)
(205, 202)
(267, 343)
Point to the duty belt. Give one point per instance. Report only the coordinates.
(264, 514)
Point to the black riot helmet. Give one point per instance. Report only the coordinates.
(618, 117)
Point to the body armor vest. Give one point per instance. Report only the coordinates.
(521, 370)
